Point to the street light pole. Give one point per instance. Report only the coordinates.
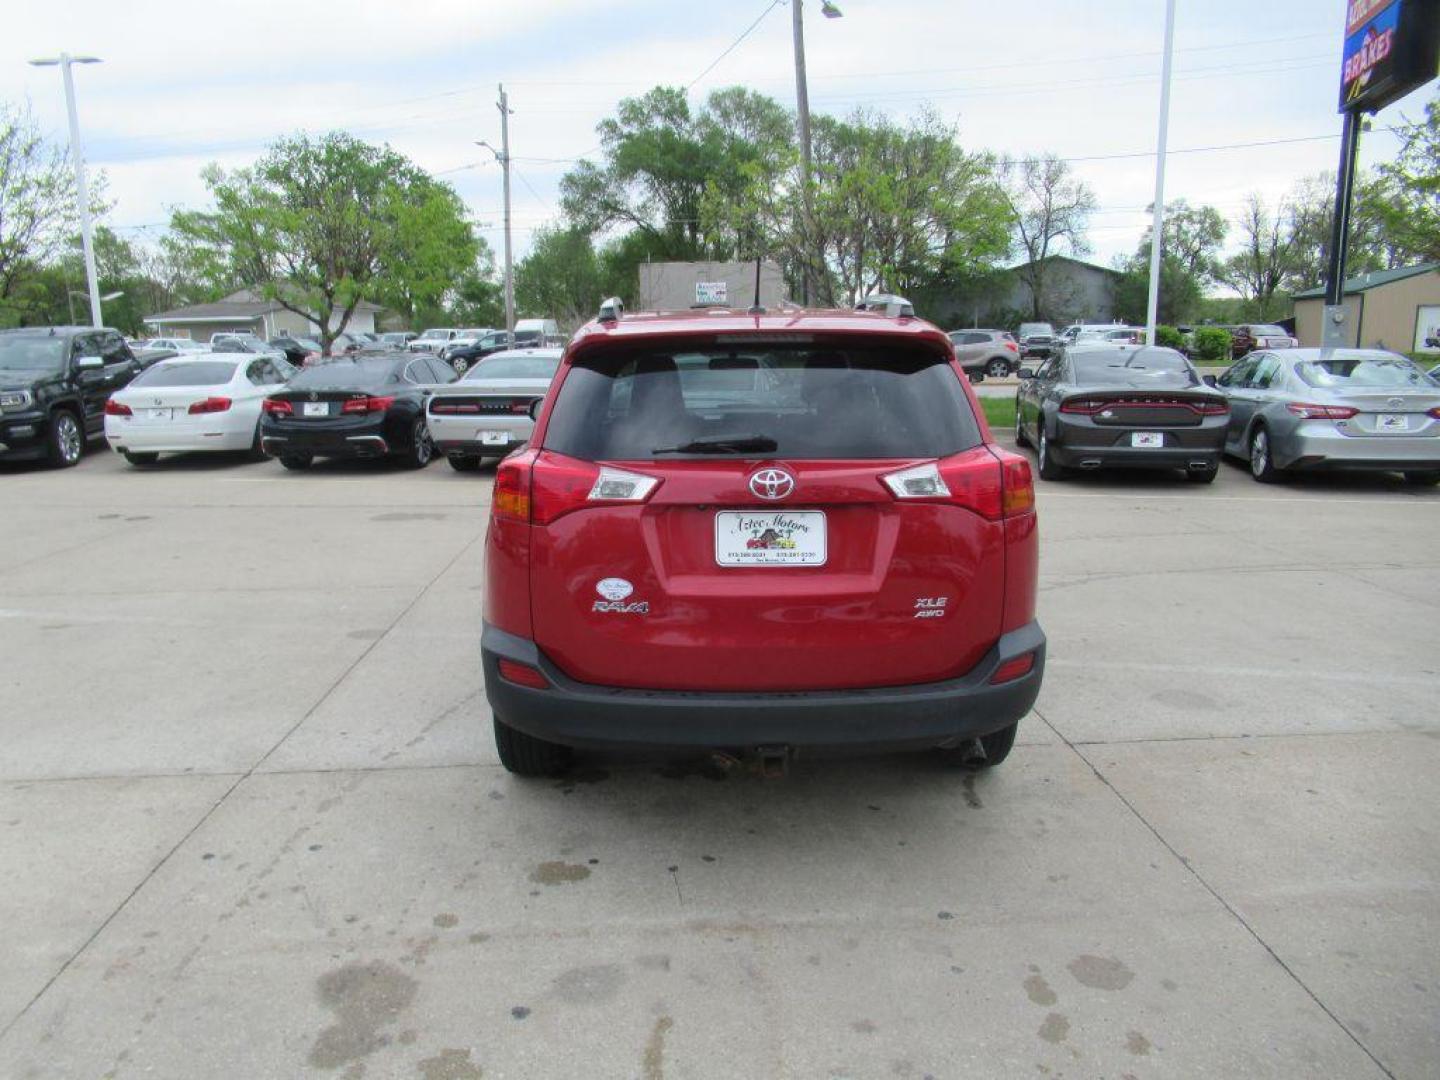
(1157, 228)
(503, 157)
(64, 60)
(802, 111)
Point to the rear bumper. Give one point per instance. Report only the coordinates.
(459, 436)
(1320, 451)
(366, 441)
(174, 438)
(904, 717)
(1081, 443)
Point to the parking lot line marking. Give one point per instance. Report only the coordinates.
(1244, 672)
(1113, 496)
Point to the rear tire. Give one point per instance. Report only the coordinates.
(464, 464)
(1422, 479)
(298, 462)
(983, 753)
(421, 450)
(256, 451)
(1047, 468)
(65, 440)
(1204, 476)
(998, 368)
(1262, 459)
(525, 755)
(139, 460)
(1021, 439)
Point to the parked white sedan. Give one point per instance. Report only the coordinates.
(206, 401)
(486, 414)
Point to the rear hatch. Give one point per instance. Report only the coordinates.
(718, 517)
(1372, 393)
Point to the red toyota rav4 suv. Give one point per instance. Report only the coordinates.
(760, 533)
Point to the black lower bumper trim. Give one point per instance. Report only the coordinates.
(902, 717)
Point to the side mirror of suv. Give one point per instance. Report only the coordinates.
(1026, 373)
(89, 363)
(535, 407)
(1210, 380)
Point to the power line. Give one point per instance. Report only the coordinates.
(734, 44)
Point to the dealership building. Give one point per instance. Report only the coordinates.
(1390, 309)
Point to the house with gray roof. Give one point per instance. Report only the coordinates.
(246, 311)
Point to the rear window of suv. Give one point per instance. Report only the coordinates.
(811, 401)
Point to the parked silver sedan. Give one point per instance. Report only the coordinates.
(487, 414)
(1313, 409)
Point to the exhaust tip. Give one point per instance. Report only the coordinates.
(1090, 463)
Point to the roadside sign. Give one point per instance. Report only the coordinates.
(711, 293)
(1391, 47)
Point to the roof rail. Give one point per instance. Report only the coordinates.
(896, 307)
(612, 309)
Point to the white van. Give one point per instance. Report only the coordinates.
(544, 329)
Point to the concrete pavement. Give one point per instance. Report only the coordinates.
(253, 824)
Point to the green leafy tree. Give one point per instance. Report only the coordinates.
(1412, 213)
(38, 211)
(561, 278)
(1266, 258)
(1193, 236)
(1373, 245)
(318, 225)
(1180, 290)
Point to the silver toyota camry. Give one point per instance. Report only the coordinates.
(1316, 409)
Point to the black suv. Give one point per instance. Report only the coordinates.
(54, 382)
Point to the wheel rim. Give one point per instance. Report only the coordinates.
(1259, 452)
(999, 369)
(69, 437)
(423, 447)
(460, 365)
(1041, 452)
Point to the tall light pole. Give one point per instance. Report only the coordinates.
(802, 112)
(1157, 228)
(503, 157)
(82, 193)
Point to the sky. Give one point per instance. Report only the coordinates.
(184, 84)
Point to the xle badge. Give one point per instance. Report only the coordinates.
(931, 607)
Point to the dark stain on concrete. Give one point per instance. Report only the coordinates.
(364, 998)
(1137, 1044)
(1100, 973)
(945, 916)
(519, 1012)
(478, 938)
(654, 962)
(593, 985)
(446, 921)
(1055, 1029)
(559, 873)
(1170, 984)
(972, 797)
(450, 1064)
(863, 1027)
(1039, 992)
(653, 1064)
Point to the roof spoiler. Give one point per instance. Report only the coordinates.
(611, 310)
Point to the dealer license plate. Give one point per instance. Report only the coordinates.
(1392, 422)
(770, 538)
(493, 438)
(1147, 439)
(316, 408)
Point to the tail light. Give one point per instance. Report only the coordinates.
(521, 408)
(442, 408)
(277, 407)
(1213, 408)
(1083, 406)
(115, 408)
(1012, 346)
(1088, 406)
(994, 484)
(209, 405)
(1434, 413)
(1009, 671)
(367, 404)
(1307, 411)
(523, 675)
(540, 488)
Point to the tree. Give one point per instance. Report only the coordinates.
(1180, 290)
(1193, 236)
(561, 277)
(38, 210)
(1266, 257)
(319, 225)
(1311, 214)
(1412, 214)
(1051, 208)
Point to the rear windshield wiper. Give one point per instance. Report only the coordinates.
(723, 444)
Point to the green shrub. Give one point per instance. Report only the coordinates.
(1212, 345)
(1168, 337)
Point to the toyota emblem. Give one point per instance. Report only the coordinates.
(772, 484)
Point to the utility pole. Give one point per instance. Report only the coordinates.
(504, 106)
(82, 194)
(1157, 228)
(802, 111)
(1333, 331)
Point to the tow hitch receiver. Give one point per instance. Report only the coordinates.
(774, 761)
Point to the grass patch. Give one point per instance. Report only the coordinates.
(999, 412)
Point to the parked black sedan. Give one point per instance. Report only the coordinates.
(1120, 406)
(361, 406)
(462, 359)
